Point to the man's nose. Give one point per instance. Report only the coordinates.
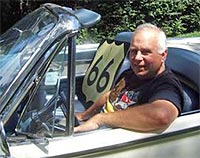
(138, 55)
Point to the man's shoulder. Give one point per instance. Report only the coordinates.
(168, 77)
(127, 74)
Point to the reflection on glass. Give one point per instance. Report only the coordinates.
(46, 114)
(19, 43)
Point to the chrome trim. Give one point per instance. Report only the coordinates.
(4, 149)
(71, 83)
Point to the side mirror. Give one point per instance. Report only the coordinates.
(4, 149)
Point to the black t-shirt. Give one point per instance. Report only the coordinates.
(130, 90)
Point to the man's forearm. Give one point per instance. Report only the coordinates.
(145, 118)
(96, 107)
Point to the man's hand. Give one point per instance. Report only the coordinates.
(81, 116)
(89, 125)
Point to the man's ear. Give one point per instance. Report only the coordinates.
(164, 55)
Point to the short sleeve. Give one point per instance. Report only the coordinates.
(170, 93)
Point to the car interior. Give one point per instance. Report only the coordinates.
(186, 69)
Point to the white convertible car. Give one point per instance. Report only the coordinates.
(45, 78)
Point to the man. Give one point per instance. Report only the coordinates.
(147, 97)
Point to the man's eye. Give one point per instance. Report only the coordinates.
(133, 51)
(145, 52)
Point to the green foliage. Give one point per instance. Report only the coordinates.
(175, 17)
(192, 34)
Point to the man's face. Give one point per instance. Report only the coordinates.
(145, 60)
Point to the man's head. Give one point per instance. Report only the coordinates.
(148, 51)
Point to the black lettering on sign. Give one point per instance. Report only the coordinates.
(92, 76)
(101, 85)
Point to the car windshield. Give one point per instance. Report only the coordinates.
(19, 43)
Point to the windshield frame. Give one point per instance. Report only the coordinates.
(66, 24)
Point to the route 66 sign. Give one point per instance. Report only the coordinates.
(101, 72)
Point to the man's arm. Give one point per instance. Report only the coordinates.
(155, 116)
(94, 109)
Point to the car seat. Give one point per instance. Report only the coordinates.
(185, 64)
